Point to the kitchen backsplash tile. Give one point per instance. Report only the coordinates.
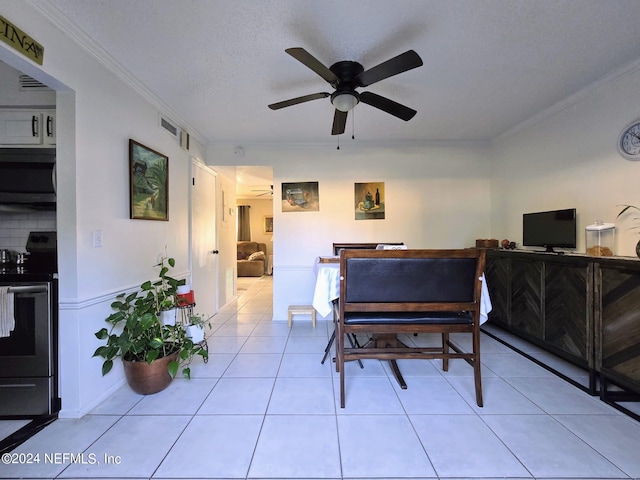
(15, 227)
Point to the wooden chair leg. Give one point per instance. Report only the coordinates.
(476, 373)
(476, 369)
(340, 363)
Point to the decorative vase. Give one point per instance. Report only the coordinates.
(148, 378)
(638, 248)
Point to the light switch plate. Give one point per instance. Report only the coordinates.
(97, 238)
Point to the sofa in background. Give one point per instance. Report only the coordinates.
(252, 259)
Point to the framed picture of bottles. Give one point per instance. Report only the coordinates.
(368, 200)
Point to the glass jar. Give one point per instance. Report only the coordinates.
(599, 239)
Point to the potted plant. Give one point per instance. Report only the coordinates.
(622, 212)
(152, 351)
(195, 329)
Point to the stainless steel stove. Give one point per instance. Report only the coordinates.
(28, 355)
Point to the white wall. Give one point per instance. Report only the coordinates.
(97, 114)
(436, 196)
(570, 159)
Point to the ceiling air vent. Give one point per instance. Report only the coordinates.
(30, 84)
(170, 127)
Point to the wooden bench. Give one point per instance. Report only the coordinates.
(384, 293)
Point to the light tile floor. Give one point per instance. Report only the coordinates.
(264, 407)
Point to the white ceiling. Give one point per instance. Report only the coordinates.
(489, 65)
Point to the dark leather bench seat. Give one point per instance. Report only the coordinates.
(413, 318)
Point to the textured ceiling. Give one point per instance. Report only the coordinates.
(488, 64)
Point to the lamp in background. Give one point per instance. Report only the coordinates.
(345, 100)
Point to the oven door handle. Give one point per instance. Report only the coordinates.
(29, 289)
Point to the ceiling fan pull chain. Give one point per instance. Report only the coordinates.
(353, 125)
(338, 137)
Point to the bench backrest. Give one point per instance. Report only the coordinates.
(411, 280)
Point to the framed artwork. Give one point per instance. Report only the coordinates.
(369, 201)
(148, 183)
(300, 197)
(267, 224)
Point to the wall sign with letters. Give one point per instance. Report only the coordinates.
(20, 41)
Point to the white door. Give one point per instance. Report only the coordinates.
(204, 241)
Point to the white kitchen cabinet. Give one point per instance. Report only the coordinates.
(27, 127)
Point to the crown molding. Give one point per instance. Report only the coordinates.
(68, 28)
(628, 69)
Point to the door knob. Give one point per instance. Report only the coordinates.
(215, 252)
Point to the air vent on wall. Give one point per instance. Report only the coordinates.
(170, 127)
(30, 83)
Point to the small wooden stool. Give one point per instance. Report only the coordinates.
(302, 309)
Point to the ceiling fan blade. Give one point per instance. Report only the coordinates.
(297, 100)
(339, 122)
(394, 108)
(313, 63)
(403, 62)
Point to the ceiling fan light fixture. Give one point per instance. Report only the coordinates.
(345, 101)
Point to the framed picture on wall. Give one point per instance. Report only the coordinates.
(267, 224)
(148, 183)
(300, 197)
(369, 200)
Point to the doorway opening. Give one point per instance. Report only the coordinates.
(255, 189)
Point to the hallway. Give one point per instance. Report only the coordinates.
(264, 407)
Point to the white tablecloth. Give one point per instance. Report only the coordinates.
(327, 289)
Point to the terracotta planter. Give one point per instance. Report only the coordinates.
(148, 378)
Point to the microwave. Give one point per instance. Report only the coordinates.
(28, 178)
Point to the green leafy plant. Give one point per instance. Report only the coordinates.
(137, 333)
(626, 209)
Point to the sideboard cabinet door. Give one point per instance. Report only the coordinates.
(619, 307)
(568, 308)
(526, 299)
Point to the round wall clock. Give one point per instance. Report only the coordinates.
(629, 141)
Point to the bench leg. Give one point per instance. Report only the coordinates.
(445, 350)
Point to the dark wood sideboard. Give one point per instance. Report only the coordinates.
(583, 309)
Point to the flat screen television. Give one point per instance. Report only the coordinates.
(553, 229)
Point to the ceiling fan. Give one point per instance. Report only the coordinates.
(266, 192)
(345, 77)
